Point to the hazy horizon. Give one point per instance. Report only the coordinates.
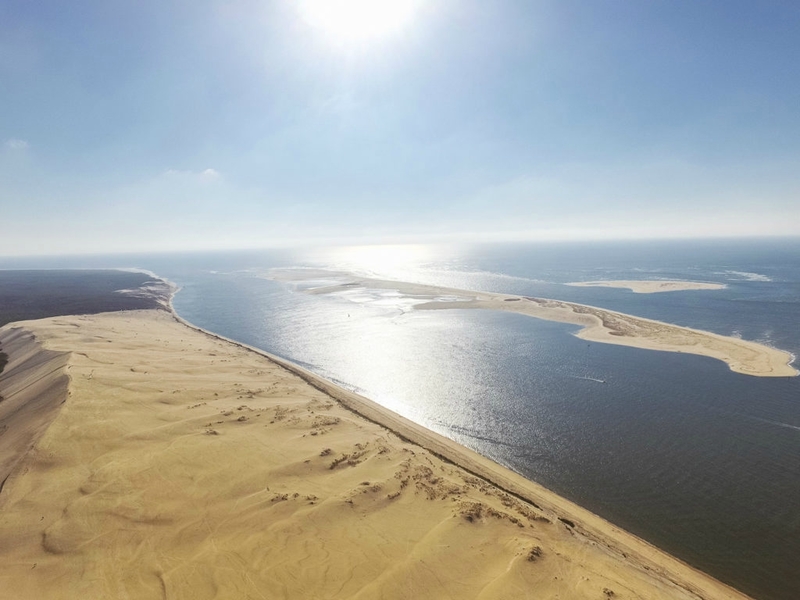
(380, 250)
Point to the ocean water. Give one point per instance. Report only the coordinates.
(700, 461)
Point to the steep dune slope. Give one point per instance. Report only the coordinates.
(32, 387)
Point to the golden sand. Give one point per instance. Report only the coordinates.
(184, 466)
(652, 287)
(599, 324)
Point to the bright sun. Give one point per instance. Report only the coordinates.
(358, 20)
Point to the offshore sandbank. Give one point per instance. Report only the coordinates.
(599, 324)
(651, 286)
(178, 464)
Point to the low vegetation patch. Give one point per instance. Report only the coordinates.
(534, 554)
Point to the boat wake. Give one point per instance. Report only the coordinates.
(588, 378)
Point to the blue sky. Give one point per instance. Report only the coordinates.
(222, 124)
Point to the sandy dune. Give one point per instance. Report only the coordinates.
(32, 388)
(184, 466)
(599, 324)
(651, 287)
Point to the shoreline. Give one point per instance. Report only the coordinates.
(558, 522)
(598, 324)
(651, 286)
(583, 522)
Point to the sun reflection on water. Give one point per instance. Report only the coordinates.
(390, 261)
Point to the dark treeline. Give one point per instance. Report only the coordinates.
(37, 294)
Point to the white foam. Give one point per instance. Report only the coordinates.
(748, 276)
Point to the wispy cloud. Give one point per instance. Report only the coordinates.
(16, 144)
(205, 175)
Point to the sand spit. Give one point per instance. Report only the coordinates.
(185, 466)
(599, 325)
(652, 286)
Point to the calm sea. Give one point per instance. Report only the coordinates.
(677, 449)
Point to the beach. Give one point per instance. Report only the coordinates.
(598, 324)
(651, 286)
(178, 464)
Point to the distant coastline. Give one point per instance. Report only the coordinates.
(654, 286)
(599, 324)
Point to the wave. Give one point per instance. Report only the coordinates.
(747, 275)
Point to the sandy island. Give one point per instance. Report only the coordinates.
(599, 324)
(143, 458)
(652, 286)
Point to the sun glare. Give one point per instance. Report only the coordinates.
(359, 20)
(383, 260)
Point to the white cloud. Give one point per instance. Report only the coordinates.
(205, 175)
(15, 144)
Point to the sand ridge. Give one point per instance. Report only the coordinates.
(33, 385)
(599, 324)
(184, 466)
(651, 286)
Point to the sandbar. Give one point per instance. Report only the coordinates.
(181, 465)
(598, 324)
(652, 286)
